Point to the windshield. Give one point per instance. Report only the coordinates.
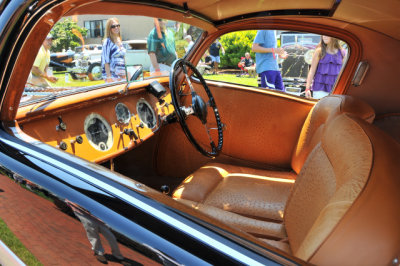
(85, 53)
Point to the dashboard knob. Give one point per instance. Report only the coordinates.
(63, 145)
(79, 139)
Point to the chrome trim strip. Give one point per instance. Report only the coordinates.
(7, 257)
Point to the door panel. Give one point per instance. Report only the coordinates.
(261, 126)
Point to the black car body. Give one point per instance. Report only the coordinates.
(62, 61)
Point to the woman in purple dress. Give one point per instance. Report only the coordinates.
(113, 55)
(325, 67)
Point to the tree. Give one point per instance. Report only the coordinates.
(65, 35)
(236, 44)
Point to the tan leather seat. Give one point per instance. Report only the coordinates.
(344, 206)
(260, 195)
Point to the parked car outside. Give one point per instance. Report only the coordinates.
(87, 60)
(300, 47)
(60, 61)
(136, 53)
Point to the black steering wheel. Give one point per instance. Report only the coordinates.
(198, 107)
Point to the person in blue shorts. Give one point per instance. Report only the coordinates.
(214, 54)
(264, 45)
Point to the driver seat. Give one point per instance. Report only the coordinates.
(254, 200)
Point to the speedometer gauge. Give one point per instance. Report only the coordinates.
(98, 132)
(122, 113)
(146, 113)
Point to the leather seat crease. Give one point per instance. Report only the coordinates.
(255, 199)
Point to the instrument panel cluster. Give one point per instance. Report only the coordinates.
(103, 129)
(100, 133)
(124, 129)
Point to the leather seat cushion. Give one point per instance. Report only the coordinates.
(258, 228)
(255, 193)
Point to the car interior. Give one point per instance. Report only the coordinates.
(305, 178)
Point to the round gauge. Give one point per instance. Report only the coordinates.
(122, 113)
(146, 113)
(98, 132)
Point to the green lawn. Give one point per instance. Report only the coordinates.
(16, 246)
(244, 80)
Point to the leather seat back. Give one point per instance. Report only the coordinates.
(346, 197)
(326, 109)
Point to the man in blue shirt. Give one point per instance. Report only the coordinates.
(264, 45)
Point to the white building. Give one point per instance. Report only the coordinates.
(132, 27)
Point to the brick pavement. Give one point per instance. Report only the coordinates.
(52, 236)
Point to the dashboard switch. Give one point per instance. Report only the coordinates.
(61, 125)
(130, 132)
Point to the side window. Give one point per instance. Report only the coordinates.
(297, 63)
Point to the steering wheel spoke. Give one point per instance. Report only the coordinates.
(199, 107)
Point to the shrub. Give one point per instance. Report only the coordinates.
(180, 47)
(236, 44)
(64, 36)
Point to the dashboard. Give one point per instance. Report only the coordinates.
(94, 127)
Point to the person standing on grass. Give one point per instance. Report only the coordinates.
(39, 74)
(161, 47)
(265, 47)
(325, 67)
(214, 53)
(113, 53)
